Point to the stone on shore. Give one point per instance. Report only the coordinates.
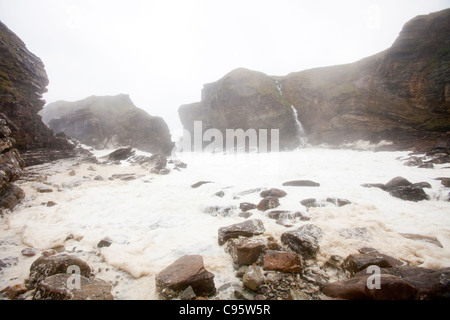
(186, 271)
(247, 228)
(304, 240)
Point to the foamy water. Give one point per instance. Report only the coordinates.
(155, 219)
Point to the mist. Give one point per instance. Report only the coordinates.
(162, 52)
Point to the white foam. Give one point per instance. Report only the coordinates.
(155, 219)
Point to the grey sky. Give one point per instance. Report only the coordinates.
(162, 52)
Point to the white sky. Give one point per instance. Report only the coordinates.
(162, 52)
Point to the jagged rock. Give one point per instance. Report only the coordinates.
(121, 154)
(245, 251)
(283, 261)
(184, 272)
(56, 287)
(246, 206)
(268, 203)
(11, 292)
(10, 196)
(46, 266)
(247, 228)
(105, 242)
(304, 240)
(253, 278)
(109, 122)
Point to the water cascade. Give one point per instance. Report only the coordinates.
(303, 141)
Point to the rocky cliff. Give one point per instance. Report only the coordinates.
(24, 139)
(23, 80)
(401, 94)
(109, 122)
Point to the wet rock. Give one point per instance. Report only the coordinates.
(304, 240)
(374, 185)
(188, 294)
(64, 287)
(301, 183)
(253, 278)
(28, 252)
(124, 176)
(121, 154)
(46, 266)
(355, 263)
(247, 228)
(184, 272)
(397, 182)
(268, 203)
(246, 206)
(392, 288)
(409, 193)
(179, 164)
(198, 184)
(245, 251)
(401, 188)
(430, 284)
(445, 182)
(44, 190)
(11, 292)
(419, 237)
(245, 214)
(220, 194)
(277, 193)
(10, 196)
(105, 242)
(283, 261)
(51, 204)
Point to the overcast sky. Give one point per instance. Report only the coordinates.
(162, 52)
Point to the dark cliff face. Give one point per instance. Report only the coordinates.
(23, 80)
(109, 122)
(243, 99)
(401, 94)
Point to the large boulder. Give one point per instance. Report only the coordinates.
(304, 240)
(355, 263)
(56, 287)
(283, 261)
(245, 251)
(247, 228)
(391, 288)
(46, 266)
(186, 271)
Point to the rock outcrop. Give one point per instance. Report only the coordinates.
(109, 122)
(23, 81)
(24, 138)
(401, 95)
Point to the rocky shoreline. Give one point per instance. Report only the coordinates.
(268, 267)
